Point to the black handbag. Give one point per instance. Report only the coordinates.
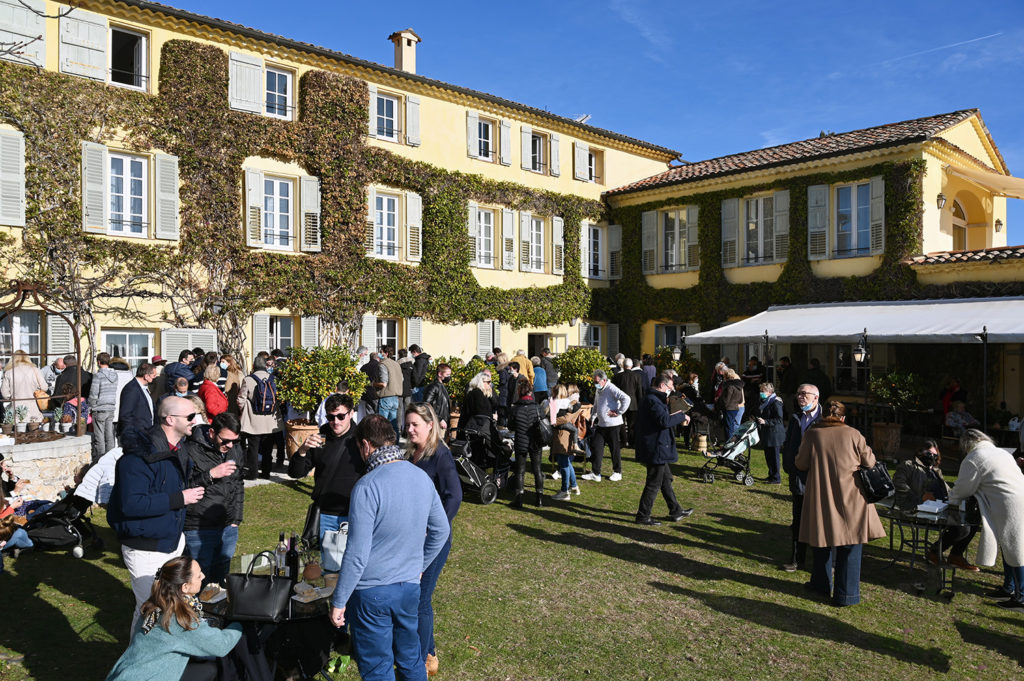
(543, 432)
(258, 598)
(875, 482)
(311, 529)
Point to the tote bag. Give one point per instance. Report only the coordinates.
(332, 548)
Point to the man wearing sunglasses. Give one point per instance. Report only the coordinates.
(334, 456)
(211, 525)
(147, 504)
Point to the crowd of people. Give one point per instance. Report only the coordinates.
(174, 443)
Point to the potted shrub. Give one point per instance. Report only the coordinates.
(577, 365)
(21, 418)
(65, 422)
(310, 375)
(899, 391)
(8, 423)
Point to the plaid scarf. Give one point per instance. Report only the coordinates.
(383, 455)
(151, 619)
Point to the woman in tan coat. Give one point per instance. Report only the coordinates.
(21, 379)
(259, 423)
(837, 520)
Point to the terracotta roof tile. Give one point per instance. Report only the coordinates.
(836, 144)
(998, 254)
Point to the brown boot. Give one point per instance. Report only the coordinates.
(432, 665)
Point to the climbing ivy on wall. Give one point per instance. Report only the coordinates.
(213, 278)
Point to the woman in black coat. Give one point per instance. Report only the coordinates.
(526, 413)
(477, 411)
(771, 430)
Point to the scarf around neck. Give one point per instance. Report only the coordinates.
(383, 455)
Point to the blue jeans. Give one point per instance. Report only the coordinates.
(417, 394)
(384, 625)
(213, 550)
(732, 422)
(330, 523)
(566, 469)
(18, 540)
(1013, 581)
(847, 565)
(426, 613)
(388, 408)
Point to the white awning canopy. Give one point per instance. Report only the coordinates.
(1005, 185)
(911, 321)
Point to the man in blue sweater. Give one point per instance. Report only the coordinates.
(397, 526)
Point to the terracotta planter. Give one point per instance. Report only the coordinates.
(886, 439)
(33, 425)
(7, 428)
(297, 430)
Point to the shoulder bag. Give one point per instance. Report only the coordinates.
(875, 482)
(258, 598)
(332, 549)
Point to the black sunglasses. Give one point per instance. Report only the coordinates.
(185, 416)
(339, 417)
(229, 441)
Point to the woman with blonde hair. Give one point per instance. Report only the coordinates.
(428, 452)
(232, 381)
(213, 397)
(730, 403)
(20, 381)
(478, 407)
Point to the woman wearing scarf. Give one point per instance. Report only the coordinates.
(771, 430)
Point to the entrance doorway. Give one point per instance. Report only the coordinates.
(535, 342)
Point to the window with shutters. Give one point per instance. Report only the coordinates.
(485, 238)
(595, 239)
(673, 234)
(387, 333)
(595, 166)
(128, 58)
(536, 245)
(486, 141)
(385, 226)
(669, 335)
(593, 338)
(759, 231)
(134, 347)
(21, 331)
(129, 195)
(386, 117)
(538, 152)
(281, 333)
(278, 213)
(853, 220)
(279, 99)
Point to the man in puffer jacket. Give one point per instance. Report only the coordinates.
(103, 401)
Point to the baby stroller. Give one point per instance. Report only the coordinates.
(734, 455)
(63, 526)
(476, 455)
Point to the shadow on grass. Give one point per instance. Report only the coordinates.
(805, 623)
(1011, 647)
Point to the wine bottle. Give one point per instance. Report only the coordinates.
(279, 557)
(291, 560)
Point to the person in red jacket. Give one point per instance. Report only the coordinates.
(213, 397)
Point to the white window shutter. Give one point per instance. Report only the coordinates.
(311, 238)
(615, 251)
(526, 147)
(60, 337)
(484, 337)
(692, 329)
(612, 340)
(370, 332)
(12, 175)
(371, 221)
(584, 249)
(203, 338)
(260, 334)
(83, 44)
(246, 89)
(584, 334)
(372, 129)
(412, 120)
(253, 207)
(95, 188)
(508, 239)
(472, 134)
(877, 215)
(167, 224)
(730, 232)
(692, 237)
(505, 143)
(471, 227)
(557, 245)
(581, 169)
(310, 329)
(554, 164)
(414, 227)
(525, 217)
(495, 334)
(781, 203)
(817, 222)
(173, 341)
(414, 331)
(22, 23)
(648, 241)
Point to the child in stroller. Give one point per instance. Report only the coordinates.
(733, 455)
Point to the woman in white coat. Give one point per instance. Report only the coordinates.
(20, 381)
(991, 476)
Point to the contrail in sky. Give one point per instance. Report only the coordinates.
(936, 49)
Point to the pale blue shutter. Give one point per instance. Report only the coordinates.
(781, 203)
(412, 120)
(310, 329)
(60, 337)
(505, 143)
(554, 154)
(95, 188)
(471, 227)
(372, 129)
(414, 331)
(370, 331)
(615, 251)
(23, 30)
(817, 222)
(877, 215)
(692, 238)
(484, 337)
(582, 167)
(508, 239)
(253, 207)
(246, 90)
(472, 134)
(526, 147)
(648, 241)
(310, 238)
(167, 223)
(584, 334)
(260, 334)
(83, 44)
(12, 178)
(557, 245)
(730, 232)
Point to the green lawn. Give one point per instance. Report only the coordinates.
(577, 591)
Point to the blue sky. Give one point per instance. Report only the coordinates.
(707, 79)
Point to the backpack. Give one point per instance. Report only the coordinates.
(264, 396)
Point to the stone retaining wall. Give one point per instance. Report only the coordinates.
(49, 465)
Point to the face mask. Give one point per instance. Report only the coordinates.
(181, 394)
(807, 407)
(696, 385)
(224, 366)
(927, 458)
(446, 379)
(270, 370)
(764, 396)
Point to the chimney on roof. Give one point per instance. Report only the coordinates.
(405, 49)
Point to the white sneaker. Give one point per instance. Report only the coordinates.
(556, 476)
(592, 477)
(615, 477)
(576, 490)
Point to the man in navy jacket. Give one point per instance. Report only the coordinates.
(136, 409)
(147, 504)
(656, 447)
(180, 369)
(799, 422)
